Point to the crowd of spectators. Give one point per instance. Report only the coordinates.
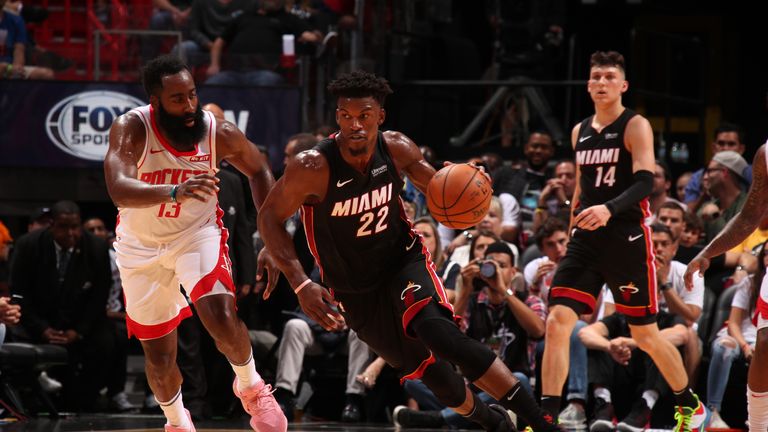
(64, 269)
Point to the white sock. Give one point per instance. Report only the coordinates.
(174, 411)
(246, 374)
(650, 396)
(757, 408)
(603, 393)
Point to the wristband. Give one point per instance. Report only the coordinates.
(303, 284)
(174, 189)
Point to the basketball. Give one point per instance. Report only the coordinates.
(458, 196)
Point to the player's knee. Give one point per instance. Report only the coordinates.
(160, 361)
(560, 322)
(446, 341)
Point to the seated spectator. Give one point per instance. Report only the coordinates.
(674, 297)
(5, 250)
(9, 315)
(168, 15)
(736, 340)
(13, 48)
(41, 218)
(723, 180)
(254, 44)
(728, 137)
(301, 336)
(479, 243)
(616, 366)
(497, 312)
(207, 21)
(680, 184)
(692, 233)
(118, 370)
(555, 198)
(64, 274)
(662, 182)
(492, 222)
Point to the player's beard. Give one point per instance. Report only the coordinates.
(176, 126)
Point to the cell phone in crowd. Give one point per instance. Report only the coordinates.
(16, 299)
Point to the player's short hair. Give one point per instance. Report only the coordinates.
(660, 228)
(607, 58)
(304, 141)
(153, 72)
(64, 207)
(360, 84)
(549, 227)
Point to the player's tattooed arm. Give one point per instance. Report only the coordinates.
(747, 220)
(409, 160)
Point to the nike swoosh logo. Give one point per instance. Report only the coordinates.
(153, 151)
(582, 139)
(633, 238)
(411, 245)
(340, 183)
(509, 398)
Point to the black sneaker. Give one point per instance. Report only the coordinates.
(286, 400)
(638, 419)
(405, 417)
(603, 417)
(352, 412)
(507, 424)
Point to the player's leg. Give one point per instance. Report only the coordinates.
(154, 307)
(575, 288)
(427, 315)
(164, 378)
(204, 270)
(757, 381)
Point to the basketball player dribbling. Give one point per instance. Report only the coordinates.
(610, 241)
(376, 265)
(160, 174)
(742, 225)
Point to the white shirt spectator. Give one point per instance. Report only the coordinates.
(741, 301)
(693, 297)
(542, 289)
(510, 210)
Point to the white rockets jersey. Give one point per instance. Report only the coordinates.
(162, 164)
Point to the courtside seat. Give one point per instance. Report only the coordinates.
(20, 366)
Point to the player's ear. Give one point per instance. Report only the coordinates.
(624, 86)
(382, 116)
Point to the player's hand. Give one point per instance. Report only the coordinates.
(699, 264)
(593, 217)
(200, 187)
(9, 313)
(479, 167)
(265, 261)
(314, 301)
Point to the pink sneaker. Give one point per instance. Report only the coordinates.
(169, 428)
(266, 415)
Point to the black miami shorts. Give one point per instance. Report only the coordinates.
(620, 255)
(381, 317)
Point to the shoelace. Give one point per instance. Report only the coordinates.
(683, 420)
(260, 400)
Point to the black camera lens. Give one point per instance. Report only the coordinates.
(488, 269)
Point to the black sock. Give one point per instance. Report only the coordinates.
(483, 416)
(685, 398)
(521, 402)
(551, 405)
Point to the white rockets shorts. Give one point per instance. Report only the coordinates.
(152, 275)
(762, 307)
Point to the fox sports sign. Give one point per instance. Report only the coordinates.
(79, 124)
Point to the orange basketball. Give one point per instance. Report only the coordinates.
(458, 196)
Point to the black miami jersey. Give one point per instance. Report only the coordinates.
(359, 233)
(605, 166)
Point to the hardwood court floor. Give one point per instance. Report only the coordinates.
(154, 423)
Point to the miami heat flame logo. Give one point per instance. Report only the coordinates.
(407, 294)
(627, 291)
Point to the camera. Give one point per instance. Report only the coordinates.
(488, 269)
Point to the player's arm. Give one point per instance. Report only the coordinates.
(305, 180)
(409, 160)
(232, 145)
(742, 225)
(127, 138)
(577, 189)
(638, 139)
